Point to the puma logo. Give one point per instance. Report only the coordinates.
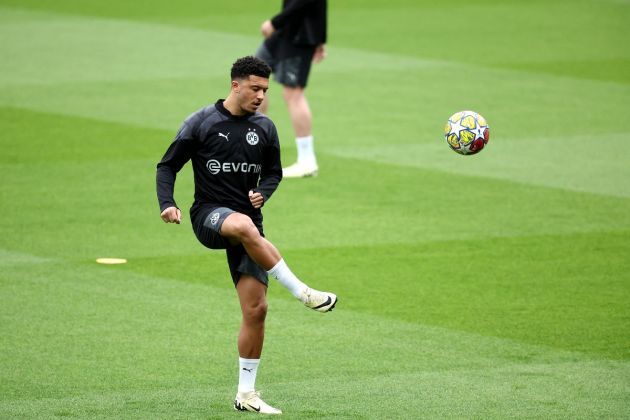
(225, 135)
(249, 370)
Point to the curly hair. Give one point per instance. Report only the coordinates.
(249, 66)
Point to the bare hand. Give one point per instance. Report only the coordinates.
(320, 53)
(256, 199)
(267, 29)
(171, 215)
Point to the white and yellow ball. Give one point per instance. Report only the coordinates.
(467, 132)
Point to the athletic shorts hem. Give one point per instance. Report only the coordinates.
(207, 226)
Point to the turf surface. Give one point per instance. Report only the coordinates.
(490, 286)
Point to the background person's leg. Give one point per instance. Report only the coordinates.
(302, 121)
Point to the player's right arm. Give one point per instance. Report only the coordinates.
(171, 215)
(176, 156)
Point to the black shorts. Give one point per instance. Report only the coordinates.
(291, 64)
(207, 227)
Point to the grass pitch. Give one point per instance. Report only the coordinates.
(489, 286)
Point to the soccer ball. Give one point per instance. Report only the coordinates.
(466, 132)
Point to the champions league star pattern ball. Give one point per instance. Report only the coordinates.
(467, 132)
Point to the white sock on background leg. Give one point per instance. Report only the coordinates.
(306, 151)
(285, 276)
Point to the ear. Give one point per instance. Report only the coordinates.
(236, 87)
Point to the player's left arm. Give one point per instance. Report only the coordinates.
(256, 199)
(271, 172)
(320, 53)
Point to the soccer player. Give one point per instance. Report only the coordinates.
(293, 39)
(235, 155)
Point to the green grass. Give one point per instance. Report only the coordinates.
(490, 286)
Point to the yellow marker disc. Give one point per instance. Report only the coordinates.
(111, 260)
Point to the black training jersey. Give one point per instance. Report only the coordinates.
(302, 22)
(231, 155)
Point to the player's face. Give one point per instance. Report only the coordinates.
(251, 92)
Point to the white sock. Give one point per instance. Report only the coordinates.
(305, 151)
(285, 276)
(247, 374)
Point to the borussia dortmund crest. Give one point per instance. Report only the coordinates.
(252, 138)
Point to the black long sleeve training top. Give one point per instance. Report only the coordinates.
(231, 155)
(302, 21)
